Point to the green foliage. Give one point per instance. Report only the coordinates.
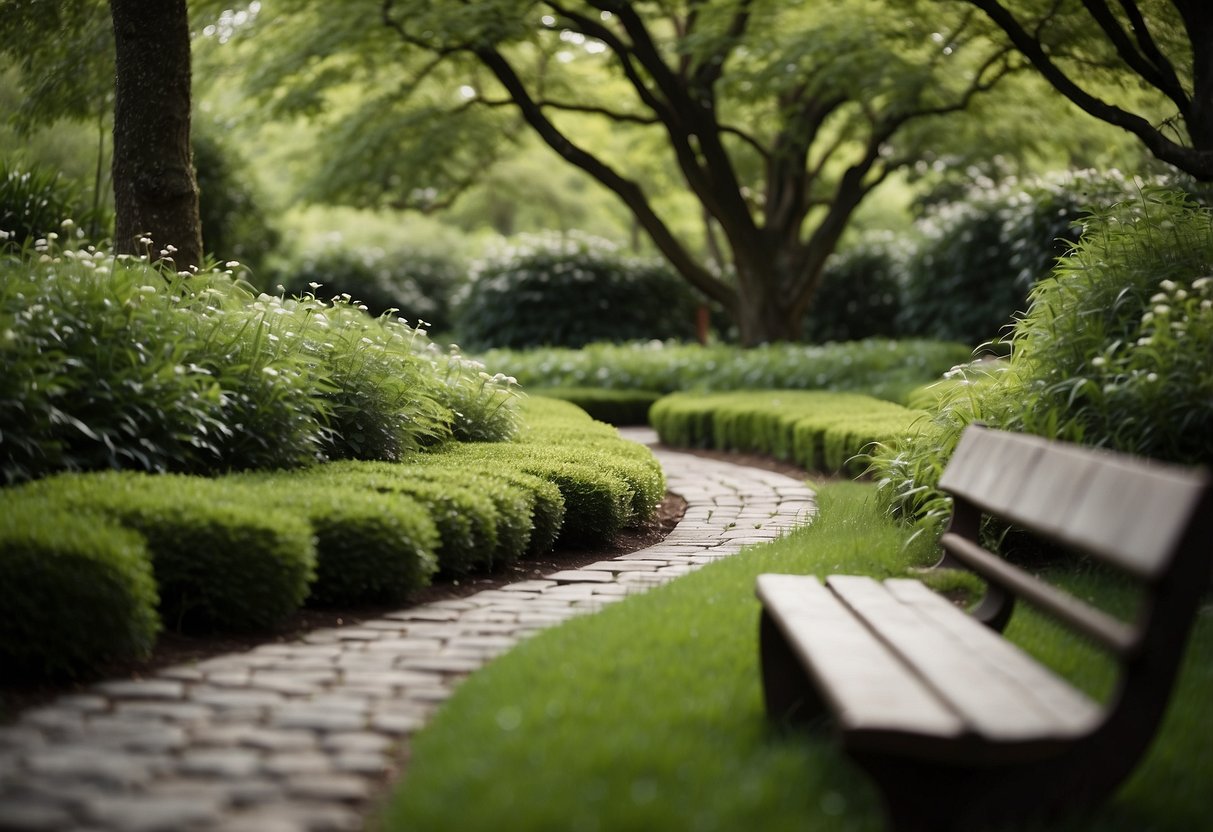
(1114, 351)
(981, 255)
(77, 591)
(219, 563)
(417, 285)
(235, 222)
(681, 701)
(816, 430)
(571, 291)
(860, 292)
(112, 364)
(878, 367)
(36, 204)
(370, 548)
(615, 407)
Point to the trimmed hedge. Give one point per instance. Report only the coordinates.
(615, 407)
(218, 565)
(816, 430)
(370, 548)
(75, 591)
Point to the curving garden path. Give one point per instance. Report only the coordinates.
(300, 736)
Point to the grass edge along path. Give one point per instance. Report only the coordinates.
(649, 714)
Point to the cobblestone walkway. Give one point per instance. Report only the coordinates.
(299, 736)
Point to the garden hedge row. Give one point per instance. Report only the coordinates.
(816, 430)
(615, 407)
(92, 564)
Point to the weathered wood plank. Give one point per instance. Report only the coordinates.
(867, 688)
(992, 710)
(1074, 711)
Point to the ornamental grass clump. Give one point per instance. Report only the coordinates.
(76, 591)
(1115, 351)
(114, 362)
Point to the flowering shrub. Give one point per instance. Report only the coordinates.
(418, 286)
(1116, 350)
(111, 363)
(571, 291)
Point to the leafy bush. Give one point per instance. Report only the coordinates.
(816, 430)
(979, 257)
(218, 564)
(370, 548)
(860, 292)
(419, 285)
(235, 224)
(111, 364)
(615, 407)
(882, 368)
(571, 291)
(76, 591)
(34, 204)
(1114, 351)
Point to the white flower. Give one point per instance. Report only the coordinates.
(1168, 285)
(1152, 377)
(1162, 309)
(269, 371)
(231, 264)
(1098, 361)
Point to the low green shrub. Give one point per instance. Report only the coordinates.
(818, 431)
(615, 407)
(980, 257)
(1114, 351)
(110, 363)
(860, 292)
(882, 368)
(569, 291)
(218, 564)
(34, 204)
(370, 548)
(418, 285)
(76, 591)
(466, 518)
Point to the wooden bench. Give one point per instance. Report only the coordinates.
(958, 727)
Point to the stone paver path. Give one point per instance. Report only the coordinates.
(298, 736)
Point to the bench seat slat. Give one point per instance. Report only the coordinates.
(940, 651)
(867, 689)
(1072, 708)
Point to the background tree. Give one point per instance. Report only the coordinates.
(779, 120)
(155, 192)
(1163, 47)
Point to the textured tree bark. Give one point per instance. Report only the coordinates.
(155, 191)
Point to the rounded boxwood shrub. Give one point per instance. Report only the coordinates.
(571, 291)
(860, 292)
(979, 257)
(370, 548)
(615, 407)
(76, 591)
(219, 565)
(419, 285)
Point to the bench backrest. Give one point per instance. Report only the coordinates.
(1150, 520)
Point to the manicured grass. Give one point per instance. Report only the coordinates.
(649, 715)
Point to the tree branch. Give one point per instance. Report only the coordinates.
(627, 190)
(1160, 75)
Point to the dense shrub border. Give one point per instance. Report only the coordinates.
(879, 367)
(818, 431)
(244, 551)
(615, 407)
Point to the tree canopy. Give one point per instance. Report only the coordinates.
(1163, 47)
(777, 119)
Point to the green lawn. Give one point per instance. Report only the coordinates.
(649, 716)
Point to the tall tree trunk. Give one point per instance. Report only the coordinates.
(764, 311)
(155, 191)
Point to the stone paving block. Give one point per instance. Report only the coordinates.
(178, 713)
(396, 724)
(31, 815)
(158, 689)
(102, 766)
(303, 715)
(20, 737)
(365, 764)
(342, 788)
(291, 764)
(528, 586)
(580, 576)
(149, 813)
(227, 763)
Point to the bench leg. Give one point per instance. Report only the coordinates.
(789, 694)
